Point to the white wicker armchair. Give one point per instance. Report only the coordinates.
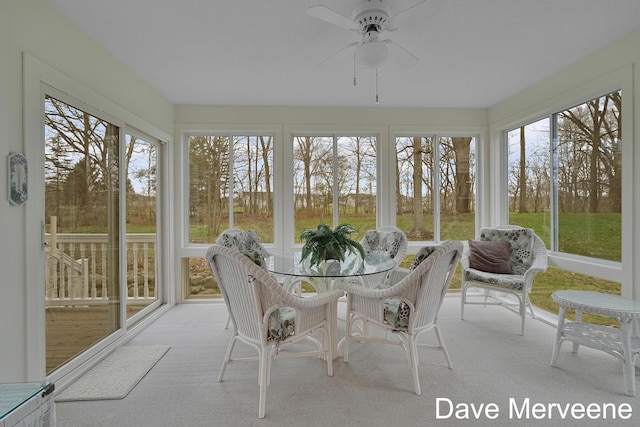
(406, 309)
(387, 240)
(527, 258)
(267, 317)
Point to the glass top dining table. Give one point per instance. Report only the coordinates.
(324, 276)
(353, 265)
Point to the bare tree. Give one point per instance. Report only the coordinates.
(209, 180)
(266, 150)
(595, 128)
(84, 138)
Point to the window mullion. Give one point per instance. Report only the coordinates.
(232, 182)
(335, 181)
(554, 182)
(436, 150)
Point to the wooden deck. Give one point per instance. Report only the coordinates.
(71, 330)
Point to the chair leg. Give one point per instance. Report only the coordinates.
(463, 300)
(444, 347)
(227, 357)
(228, 321)
(533, 315)
(264, 373)
(486, 297)
(413, 355)
(523, 314)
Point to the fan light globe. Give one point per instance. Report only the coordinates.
(372, 54)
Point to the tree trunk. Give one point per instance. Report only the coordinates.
(418, 216)
(462, 149)
(523, 173)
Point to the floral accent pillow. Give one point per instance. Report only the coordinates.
(281, 324)
(382, 242)
(422, 254)
(246, 242)
(396, 312)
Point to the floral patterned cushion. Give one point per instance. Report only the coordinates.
(422, 254)
(521, 240)
(387, 242)
(281, 324)
(514, 281)
(246, 242)
(396, 312)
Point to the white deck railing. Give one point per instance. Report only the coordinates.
(75, 269)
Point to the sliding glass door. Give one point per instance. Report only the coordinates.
(82, 230)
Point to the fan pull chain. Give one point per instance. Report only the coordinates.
(377, 100)
(354, 68)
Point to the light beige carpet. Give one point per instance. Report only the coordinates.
(116, 375)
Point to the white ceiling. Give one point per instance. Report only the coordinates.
(473, 53)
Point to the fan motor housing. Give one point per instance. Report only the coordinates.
(372, 15)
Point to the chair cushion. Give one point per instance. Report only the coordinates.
(246, 242)
(492, 257)
(521, 240)
(422, 254)
(281, 324)
(514, 281)
(396, 313)
(382, 242)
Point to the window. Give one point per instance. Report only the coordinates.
(143, 216)
(529, 175)
(230, 185)
(565, 178)
(435, 187)
(334, 181)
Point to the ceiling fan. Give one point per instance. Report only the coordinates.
(370, 18)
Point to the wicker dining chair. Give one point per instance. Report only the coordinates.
(407, 309)
(268, 318)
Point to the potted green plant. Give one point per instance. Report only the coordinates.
(324, 243)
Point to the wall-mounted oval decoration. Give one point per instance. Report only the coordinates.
(18, 179)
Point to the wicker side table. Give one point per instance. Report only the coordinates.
(617, 342)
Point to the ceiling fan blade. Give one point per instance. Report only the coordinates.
(435, 8)
(401, 56)
(336, 56)
(325, 14)
(400, 12)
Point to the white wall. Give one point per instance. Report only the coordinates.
(33, 27)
